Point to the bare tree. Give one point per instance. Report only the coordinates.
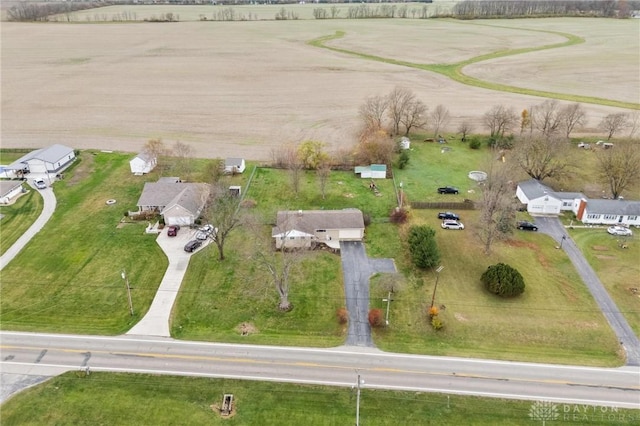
(323, 171)
(465, 128)
(440, 118)
(542, 157)
(634, 124)
(415, 115)
(375, 148)
(497, 211)
(295, 167)
(500, 119)
(222, 211)
(613, 123)
(398, 101)
(213, 171)
(620, 166)
(155, 149)
(183, 159)
(372, 112)
(572, 116)
(546, 118)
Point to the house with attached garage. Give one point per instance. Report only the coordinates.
(143, 163)
(310, 228)
(9, 189)
(179, 203)
(53, 159)
(539, 198)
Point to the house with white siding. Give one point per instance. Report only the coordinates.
(52, 159)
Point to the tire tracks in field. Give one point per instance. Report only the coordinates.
(454, 70)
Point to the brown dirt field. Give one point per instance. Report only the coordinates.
(241, 88)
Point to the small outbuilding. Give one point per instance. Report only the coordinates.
(143, 163)
(374, 171)
(234, 165)
(9, 189)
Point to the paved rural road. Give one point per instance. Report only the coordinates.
(553, 227)
(47, 211)
(36, 354)
(357, 268)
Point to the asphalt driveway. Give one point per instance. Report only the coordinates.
(357, 268)
(553, 227)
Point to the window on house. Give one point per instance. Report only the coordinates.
(632, 217)
(610, 216)
(593, 216)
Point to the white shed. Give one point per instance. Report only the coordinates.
(142, 163)
(234, 165)
(9, 189)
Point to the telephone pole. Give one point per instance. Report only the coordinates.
(360, 382)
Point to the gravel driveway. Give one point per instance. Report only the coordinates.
(553, 227)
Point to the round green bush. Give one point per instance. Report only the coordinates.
(503, 280)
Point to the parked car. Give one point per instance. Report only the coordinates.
(448, 215)
(208, 228)
(200, 235)
(172, 231)
(584, 145)
(192, 245)
(620, 230)
(527, 226)
(452, 224)
(39, 183)
(448, 190)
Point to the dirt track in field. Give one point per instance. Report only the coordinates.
(243, 88)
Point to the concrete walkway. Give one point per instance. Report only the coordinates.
(156, 321)
(629, 341)
(47, 211)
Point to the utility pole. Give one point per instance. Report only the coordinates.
(360, 382)
(126, 281)
(438, 270)
(388, 300)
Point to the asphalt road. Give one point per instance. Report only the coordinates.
(357, 268)
(553, 227)
(37, 355)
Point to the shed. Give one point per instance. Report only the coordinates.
(234, 165)
(374, 171)
(405, 143)
(9, 189)
(143, 163)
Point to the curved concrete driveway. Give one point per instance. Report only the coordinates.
(156, 320)
(357, 268)
(48, 208)
(553, 227)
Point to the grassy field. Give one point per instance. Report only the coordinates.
(18, 217)
(154, 400)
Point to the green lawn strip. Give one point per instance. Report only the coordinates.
(68, 277)
(617, 268)
(454, 71)
(117, 398)
(18, 217)
(556, 320)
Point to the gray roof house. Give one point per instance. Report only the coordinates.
(308, 228)
(45, 160)
(179, 203)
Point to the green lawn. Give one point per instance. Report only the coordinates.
(18, 217)
(105, 398)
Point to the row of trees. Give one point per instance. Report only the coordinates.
(472, 9)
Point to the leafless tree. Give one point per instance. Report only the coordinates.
(414, 116)
(323, 171)
(295, 167)
(222, 211)
(497, 210)
(372, 112)
(183, 159)
(634, 124)
(500, 119)
(440, 118)
(542, 157)
(613, 123)
(465, 128)
(546, 118)
(398, 100)
(620, 166)
(375, 148)
(213, 171)
(572, 116)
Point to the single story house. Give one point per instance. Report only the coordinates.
(179, 203)
(45, 160)
(143, 163)
(308, 228)
(608, 212)
(234, 165)
(9, 189)
(539, 198)
(374, 171)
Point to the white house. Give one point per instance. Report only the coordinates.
(179, 203)
(374, 171)
(9, 189)
(234, 165)
(308, 228)
(143, 163)
(539, 198)
(608, 212)
(45, 160)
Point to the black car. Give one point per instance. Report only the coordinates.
(192, 245)
(448, 215)
(527, 226)
(448, 190)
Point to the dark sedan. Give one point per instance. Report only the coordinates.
(527, 226)
(448, 215)
(448, 190)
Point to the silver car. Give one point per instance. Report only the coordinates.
(452, 224)
(620, 230)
